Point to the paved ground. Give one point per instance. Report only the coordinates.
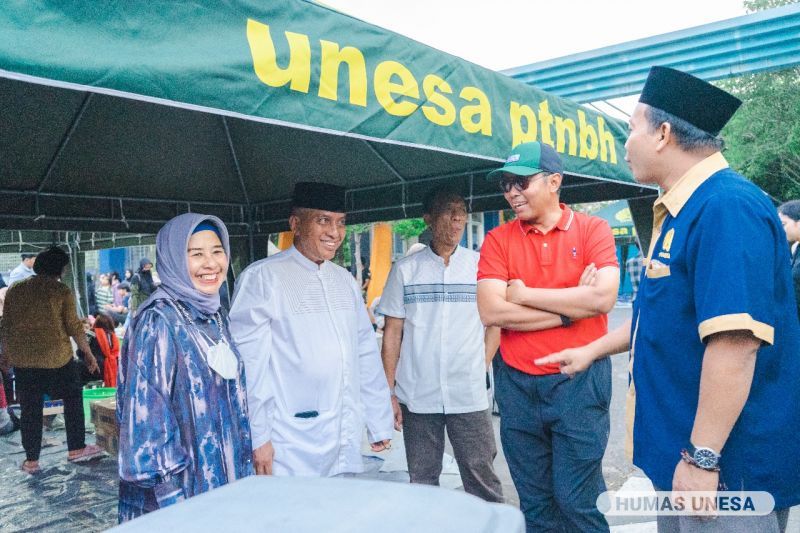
(83, 498)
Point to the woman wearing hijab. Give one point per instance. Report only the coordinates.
(789, 213)
(181, 398)
(142, 284)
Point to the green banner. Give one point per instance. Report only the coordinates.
(298, 63)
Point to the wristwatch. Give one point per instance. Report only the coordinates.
(701, 457)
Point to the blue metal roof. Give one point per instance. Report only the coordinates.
(766, 40)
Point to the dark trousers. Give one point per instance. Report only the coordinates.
(472, 437)
(554, 432)
(59, 383)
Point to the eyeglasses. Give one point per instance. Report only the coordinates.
(519, 183)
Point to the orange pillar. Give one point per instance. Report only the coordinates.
(380, 261)
(285, 240)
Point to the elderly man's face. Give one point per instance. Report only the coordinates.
(317, 234)
(448, 223)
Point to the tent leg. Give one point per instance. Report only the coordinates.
(251, 249)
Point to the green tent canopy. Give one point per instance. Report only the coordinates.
(119, 115)
(618, 216)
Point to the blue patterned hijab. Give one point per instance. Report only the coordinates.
(171, 260)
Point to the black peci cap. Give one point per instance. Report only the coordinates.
(323, 196)
(696, 101)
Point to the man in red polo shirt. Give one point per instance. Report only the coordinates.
(548, 278)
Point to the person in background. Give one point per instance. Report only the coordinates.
(23, 270)
(634, 267)
(119, 312)
(3, 290)
(39, 319)
(104, 296)
(414, 248)
(8, 424)
(91, 301)
(142, 284)
(366, 276)
(128, 275)
(312, 361)
(115, 281)
(789, 214)
(105, 343)
(96, 375)
(181, 394)
(435, 355)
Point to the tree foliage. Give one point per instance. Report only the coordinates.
(409, 228)
(763, 138)
(759, 5)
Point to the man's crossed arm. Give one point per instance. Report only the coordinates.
(514, 306)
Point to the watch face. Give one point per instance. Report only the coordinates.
(705, 458)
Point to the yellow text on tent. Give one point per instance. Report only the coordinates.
(397, 91)
(395, 87)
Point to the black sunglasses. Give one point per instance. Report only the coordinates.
(519, 183)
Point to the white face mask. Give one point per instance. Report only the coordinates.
(222, 360)
(219, 356)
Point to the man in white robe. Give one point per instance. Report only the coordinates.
(313, 370)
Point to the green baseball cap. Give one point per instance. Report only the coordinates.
(528, 159)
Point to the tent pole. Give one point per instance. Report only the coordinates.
(235, 158)
(64, 141)
(251, 249)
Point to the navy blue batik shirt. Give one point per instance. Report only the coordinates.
(183, 428)
(718, 262)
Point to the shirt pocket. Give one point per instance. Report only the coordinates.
(662, 271)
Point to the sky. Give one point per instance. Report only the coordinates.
(501, 34)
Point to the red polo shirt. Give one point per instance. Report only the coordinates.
(552, 260)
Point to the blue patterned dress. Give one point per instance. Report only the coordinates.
(183, 428)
